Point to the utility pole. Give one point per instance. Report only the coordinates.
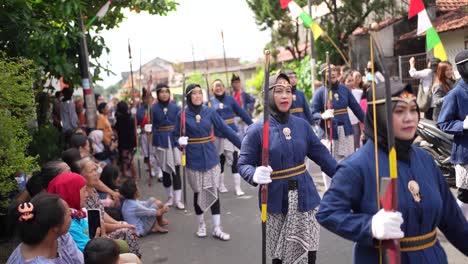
(193, 60)
(86, 81)
(312, 51)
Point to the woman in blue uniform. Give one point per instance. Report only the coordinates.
(349, 208)
(164, 115)
(292, 230)
(341, 129)
(227, 108)
(203, 167)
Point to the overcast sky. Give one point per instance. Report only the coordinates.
(170, 37)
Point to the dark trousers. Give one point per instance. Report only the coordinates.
(215, 208)
(175, 179)
(311, 258)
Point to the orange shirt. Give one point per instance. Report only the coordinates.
(104, 125)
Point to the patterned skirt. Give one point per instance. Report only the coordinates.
(290, 237)
(205, 183)
(343, 146)
(461, 176)
(168, 158)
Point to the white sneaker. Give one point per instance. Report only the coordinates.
(169, 202)
(219, 234)
(179, 205)
(201, 232)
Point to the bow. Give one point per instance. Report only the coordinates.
(388, 186)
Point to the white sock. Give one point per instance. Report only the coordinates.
(201, 219)
(169, 192)
(216, 220)
(177, 195)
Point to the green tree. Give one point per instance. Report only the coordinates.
(47, 32)
(17, 109)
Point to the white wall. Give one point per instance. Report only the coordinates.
(454, 42)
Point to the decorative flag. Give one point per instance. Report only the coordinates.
(297, 12)
(100, 14)
(424, 25)
(415, 7)
(284, 3)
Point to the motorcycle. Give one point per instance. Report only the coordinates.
(439, 145)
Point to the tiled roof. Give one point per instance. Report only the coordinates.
(450, 5)
(382, 24)
(447, 22)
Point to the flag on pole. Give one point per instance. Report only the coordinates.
(297, 12)
(433, 41)
(101, 13)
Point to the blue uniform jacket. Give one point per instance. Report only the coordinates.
(284, 154)
(349, 204)
(141, 112)
(202, 157)
(451, 117)
(300, 107)
(342, 99)
(228, 112)
(161, 122)
(248, 102)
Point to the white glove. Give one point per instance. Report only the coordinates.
(465, 123)
(183, 141)
(262, 175)
(386, 225)
(148, 128)
(328, 114)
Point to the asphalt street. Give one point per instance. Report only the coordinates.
(240, 217)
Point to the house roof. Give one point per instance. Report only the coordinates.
(447, 22)
(450, 5)
(382, 24)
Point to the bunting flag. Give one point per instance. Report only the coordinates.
(297, 12)
(101, 13)
(433, 41)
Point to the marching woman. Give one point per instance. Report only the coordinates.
(333, 109)
(227, 108)
(349, 208)
(167, 154)
(203, 167)
(292, 230)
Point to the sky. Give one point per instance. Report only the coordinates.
(196, 22)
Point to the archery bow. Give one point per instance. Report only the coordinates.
(329, 104)
(390, 200)
(182, 133)
(265, 143)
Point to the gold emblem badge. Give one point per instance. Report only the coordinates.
(294, 97)
(198, 118)
(165, 110)
(287, 133)
(337, 96)
(413, 187)
(221, 105)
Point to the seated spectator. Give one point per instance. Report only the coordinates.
(114, 229)
(42, 226)
(145, 215)
(106, 251)
(71, 187)
(100, 152)
(109, 177)
(71, 156)
(81, 143)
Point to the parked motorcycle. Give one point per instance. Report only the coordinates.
(439, 145)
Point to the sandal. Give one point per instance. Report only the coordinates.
(219, 234)
(160, 230)
(201, 231)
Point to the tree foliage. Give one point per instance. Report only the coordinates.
(17, 109)
(47, 32)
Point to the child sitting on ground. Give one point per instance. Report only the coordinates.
(106, 251)
(145, 215)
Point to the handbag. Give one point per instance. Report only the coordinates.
(424, 98)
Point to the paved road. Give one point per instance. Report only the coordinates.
(241, 218)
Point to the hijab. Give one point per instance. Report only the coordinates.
(67, 185)
(220, 97)
(281, 117)
(400, 92)
(159, 88)
(195, 108)
(96, 137)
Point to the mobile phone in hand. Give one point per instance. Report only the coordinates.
(94, 221)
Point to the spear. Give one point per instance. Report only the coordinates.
(330, 105)
(390, 200)
(149, 134)
(265, 143)
(182, 128)
(225, 64)
(134, 104)
(207, 82)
